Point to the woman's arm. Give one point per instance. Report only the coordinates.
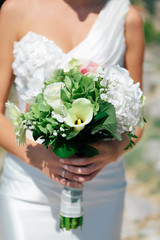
(134, 56)
(8, 33)
(87, 169)
(12, 15)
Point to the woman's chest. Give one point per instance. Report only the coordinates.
(66, 25)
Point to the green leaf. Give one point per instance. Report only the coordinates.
(125, 149)
(87, 150)
(95, 108)
(65, 95)
(35, 110)
(144, 120)
(72, 135)
(43, 115)
(68, 105)
(35, 135)
(113, 132)
(42, 129)
(77, 95)
(58, 73)
(99, 116)
(64, 151)
(76, 76)
(110, 123)
(105, 106)
(52, 121)
(43, 107)
(97, 94)
(50, 128)
(29, 116)
(39, 98)
(87, 83)
(79, 90)
(68, 83)
(74, 64)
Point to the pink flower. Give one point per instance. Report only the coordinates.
(89, 68)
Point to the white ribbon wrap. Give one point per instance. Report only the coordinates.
(71, 202)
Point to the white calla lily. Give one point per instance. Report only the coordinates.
(80, 114)
(18, 123)
(52, 95)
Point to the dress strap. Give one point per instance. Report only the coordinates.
(114, 13)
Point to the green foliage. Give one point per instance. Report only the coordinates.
(74, 64)
(149, 4)
(109, 123)
(64, 150)
(136, 2)
(131, 143)
(77, 86)
(87, 150)
(57, 76)
(151, 34)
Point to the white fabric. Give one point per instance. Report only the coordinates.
(29, 200)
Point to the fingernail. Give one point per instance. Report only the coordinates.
(65, 167)
(62, 160)
(81, 179)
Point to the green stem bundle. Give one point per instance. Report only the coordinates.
(70, 223)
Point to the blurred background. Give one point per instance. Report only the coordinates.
(142, 206)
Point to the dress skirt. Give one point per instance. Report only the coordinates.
(30, 204)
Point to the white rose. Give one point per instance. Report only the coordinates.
(52, 95)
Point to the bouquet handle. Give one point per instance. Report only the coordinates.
(71, 210)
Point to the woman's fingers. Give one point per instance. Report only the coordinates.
(73, 180)
(83, 170)
(86, 178)
(66, 182)
(78, 161)
(65, 178)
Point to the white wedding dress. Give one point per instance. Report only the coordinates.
(29, 200)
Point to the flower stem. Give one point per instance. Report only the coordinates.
(67, 224)
(70, 223)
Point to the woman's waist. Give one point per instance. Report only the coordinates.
(17, 168)
(22, 181)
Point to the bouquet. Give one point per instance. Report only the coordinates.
(77, 105)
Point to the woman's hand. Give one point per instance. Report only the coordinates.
(46, 161)
(85, 169)
(74, 171)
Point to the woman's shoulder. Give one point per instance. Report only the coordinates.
(133, 18)
(14, 9)
(12, 15)
(134, 33)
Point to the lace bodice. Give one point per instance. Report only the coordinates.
(36, 55)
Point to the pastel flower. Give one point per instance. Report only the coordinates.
(80, 114)
(89, 68)
(52, 95)
(18, 122)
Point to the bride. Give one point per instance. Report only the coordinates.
(37, 34)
